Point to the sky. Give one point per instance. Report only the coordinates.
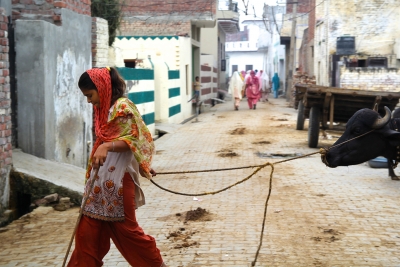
(258, 6)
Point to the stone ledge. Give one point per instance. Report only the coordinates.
(40, 177)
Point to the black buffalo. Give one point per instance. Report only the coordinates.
(374, 137)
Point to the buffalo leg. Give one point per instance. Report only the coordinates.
(391, 170)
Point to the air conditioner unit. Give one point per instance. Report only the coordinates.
(346, 45)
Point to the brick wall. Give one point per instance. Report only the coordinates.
(373, 79)
(311, 23)
(99, 42)
(188, 7)
(48, 10)
(164, 18)
(303, 6)
(133, 26)
(5, 114)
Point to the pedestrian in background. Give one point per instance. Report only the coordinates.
(275, 85)
(266, 87)
(243, 75)
(252, 90)
(235, 88)
(258, 75)
(196, 88)
(123, 150)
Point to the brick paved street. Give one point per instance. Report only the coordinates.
(317, 216)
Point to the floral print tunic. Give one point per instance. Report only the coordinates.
(105, 201)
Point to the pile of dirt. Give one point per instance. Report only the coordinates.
(198, 214)
(227, 153)
(262, 143)
(330, 235)
(238, 131)
(181, 237)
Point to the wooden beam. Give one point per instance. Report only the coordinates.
(331, 112)
(325, 109)
(377, 101)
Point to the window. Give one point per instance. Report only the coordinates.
(223, 65)
(130, 63)
(234, 68)
(249, 67)
(377, 62)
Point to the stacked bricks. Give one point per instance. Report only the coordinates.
(5, 111)
(302, 78)
(47, 10)
(99, 42)
(372, 79)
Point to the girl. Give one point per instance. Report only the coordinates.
(123, 148)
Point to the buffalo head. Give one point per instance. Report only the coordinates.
(373, 138)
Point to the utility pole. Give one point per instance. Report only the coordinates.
(292, 57)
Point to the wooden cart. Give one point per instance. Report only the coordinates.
(321, 104)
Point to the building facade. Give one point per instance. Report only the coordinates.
(214, 39)
(170, 37)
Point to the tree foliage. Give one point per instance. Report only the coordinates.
(109, 10)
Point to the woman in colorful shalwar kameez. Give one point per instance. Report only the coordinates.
(235, 88)
(275, 85)
(252, 90)
(124, 149)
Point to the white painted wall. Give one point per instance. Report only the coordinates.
(176, 100)
(257, 59)
(172, 54)
(144, 108)
(209, 61)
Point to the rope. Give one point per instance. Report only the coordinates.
(322, 151)
(259, 167)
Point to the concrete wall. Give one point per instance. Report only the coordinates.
(374, 79)
(211, 46)
(54, 120)
(208, 78)
(166, 53)
(140, 90)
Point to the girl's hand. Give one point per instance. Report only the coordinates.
(143, 174)
(100, 156)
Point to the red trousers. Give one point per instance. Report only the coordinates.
(92, 239)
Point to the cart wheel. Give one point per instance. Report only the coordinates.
(300, 116)
(313, 127)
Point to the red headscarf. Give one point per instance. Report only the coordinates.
(102, 79)
(254, 79)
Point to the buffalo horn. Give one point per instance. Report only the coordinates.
(379, 123)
